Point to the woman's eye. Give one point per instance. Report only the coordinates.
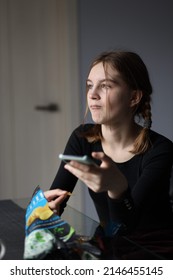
(89, 86)
(105, 86)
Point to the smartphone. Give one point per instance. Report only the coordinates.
(81, 159)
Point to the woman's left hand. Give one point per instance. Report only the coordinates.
(55, 198)
(105, 177)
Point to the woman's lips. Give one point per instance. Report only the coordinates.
(95, 107)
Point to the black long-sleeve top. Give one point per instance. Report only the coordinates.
(146, 203)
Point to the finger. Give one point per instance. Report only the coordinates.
(52, 194)
(80, 174)
(54, 204)
(79, 169)
(74, 169)
(90, 179)
(101, 156)
(81, 166)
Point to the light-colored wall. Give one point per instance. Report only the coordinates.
(141, 26)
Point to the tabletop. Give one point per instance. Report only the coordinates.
(12, 233)
(12, 225)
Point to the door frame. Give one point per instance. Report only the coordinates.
(67, 17)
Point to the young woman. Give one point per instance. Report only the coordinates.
(130, 183)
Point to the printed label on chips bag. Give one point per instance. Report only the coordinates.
(40, 216)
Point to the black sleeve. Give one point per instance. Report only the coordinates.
(64, 179)
(149, 195)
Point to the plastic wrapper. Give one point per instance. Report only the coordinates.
(48, 236)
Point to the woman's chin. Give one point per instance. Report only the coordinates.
(97, 119)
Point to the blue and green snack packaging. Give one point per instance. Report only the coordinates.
(43, 228)
(48, 236)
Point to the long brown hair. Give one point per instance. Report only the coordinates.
(135, 74)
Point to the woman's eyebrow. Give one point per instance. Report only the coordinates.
(102, 80)
(88, 80)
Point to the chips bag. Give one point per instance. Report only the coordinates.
(48, 236)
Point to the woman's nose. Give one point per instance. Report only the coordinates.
(94, 94)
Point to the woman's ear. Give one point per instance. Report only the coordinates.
(136, 96)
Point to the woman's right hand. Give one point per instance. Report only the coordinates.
(55, 198)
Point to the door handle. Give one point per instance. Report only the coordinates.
(51, 107)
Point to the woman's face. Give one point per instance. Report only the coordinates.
(108, 96)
